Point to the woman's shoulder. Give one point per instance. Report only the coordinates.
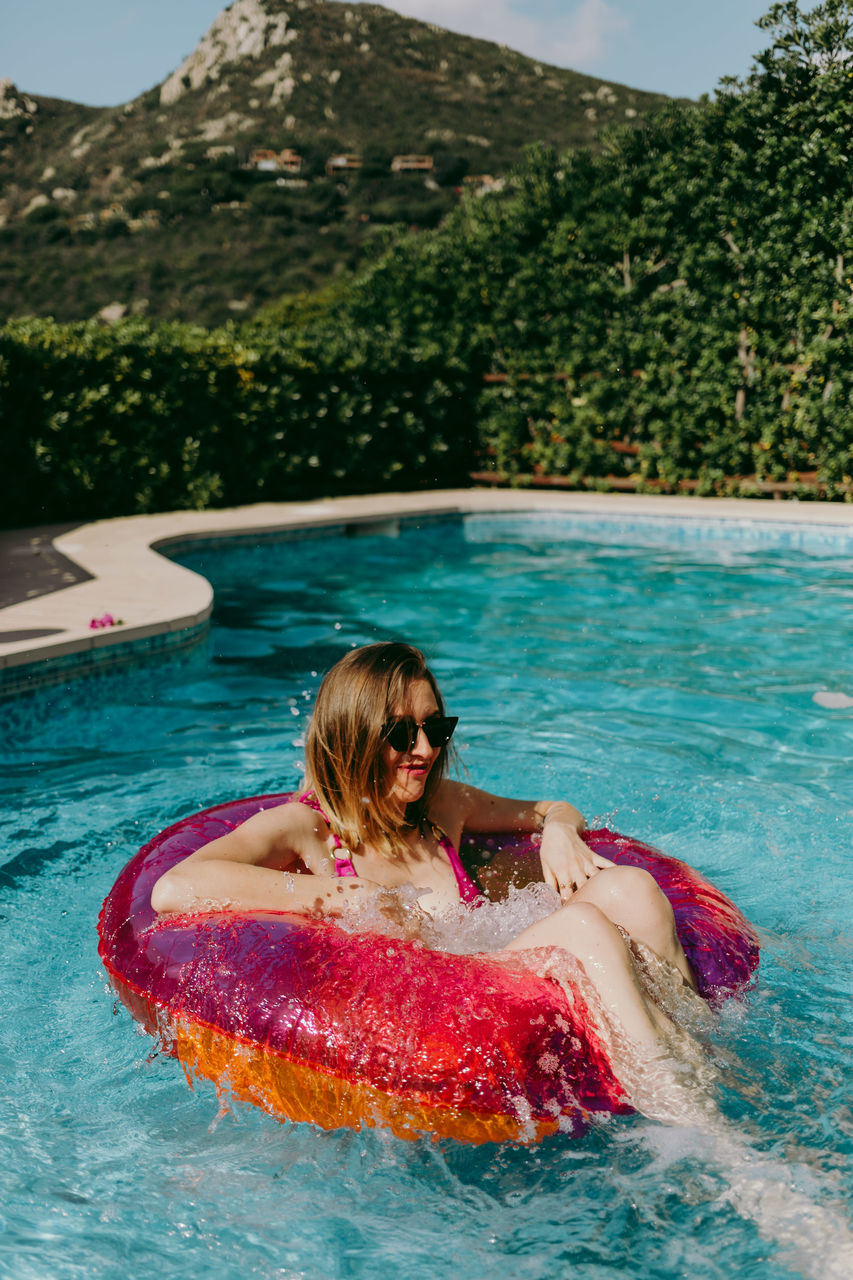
(280, 837)
(462, 795)
(289, 813)
(293, 825)
(477, 810)
(453, 802)
(449, 792)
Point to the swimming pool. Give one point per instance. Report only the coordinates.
(666, 681)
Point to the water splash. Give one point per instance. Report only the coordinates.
(456, 929)
(794, 1208)
(789, 1203)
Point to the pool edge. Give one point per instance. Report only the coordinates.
(164, 606)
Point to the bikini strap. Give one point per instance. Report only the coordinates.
(468, 891)
(343, 864)
(311, 802)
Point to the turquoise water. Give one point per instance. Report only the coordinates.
(670, 684)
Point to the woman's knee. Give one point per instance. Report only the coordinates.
(582, 914)
(632, 888)
(588, 928)
(631, 898)
(579, 927)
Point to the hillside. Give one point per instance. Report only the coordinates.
(155, 205)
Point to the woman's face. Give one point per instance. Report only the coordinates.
(407, 771)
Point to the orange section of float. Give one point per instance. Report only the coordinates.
(294, 1091)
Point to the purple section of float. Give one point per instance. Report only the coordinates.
(719, 941)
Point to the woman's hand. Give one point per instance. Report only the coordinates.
(567, 861)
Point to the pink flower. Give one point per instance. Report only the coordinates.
(106, 621)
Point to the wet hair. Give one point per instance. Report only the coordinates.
(343, 746)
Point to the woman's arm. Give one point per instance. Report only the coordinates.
(253, 868)
(567, 862)
(227, 886)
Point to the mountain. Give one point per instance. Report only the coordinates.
(161, 206)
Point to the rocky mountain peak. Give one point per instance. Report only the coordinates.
(247, 29)
(13, 104)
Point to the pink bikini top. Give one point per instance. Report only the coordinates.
(468, 891)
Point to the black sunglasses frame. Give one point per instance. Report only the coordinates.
(401, 735)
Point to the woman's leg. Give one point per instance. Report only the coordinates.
(584, 930)
(630, 897)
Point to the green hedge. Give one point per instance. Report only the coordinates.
(102, 421)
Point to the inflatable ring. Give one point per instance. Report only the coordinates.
(312, 1023)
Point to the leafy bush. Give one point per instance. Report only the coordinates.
(113, 421)
(44, 213)
(271, 201)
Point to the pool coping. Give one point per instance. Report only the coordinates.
(163, 605)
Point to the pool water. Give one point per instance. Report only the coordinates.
(691, 687)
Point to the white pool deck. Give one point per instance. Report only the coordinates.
(154, 597)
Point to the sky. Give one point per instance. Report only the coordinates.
(105, 52)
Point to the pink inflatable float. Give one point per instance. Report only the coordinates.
(312, 1023)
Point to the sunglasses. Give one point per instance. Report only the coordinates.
(402, 735)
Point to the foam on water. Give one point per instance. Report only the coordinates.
(796, 1209)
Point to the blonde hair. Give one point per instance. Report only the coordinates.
(343, 746)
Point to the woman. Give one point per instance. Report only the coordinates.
(378, 814)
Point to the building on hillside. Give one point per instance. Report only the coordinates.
(342, 164)
(289, 161)
(83, 222)
(480, 182)
(264, 159)
(268, 161)
(412, 164)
